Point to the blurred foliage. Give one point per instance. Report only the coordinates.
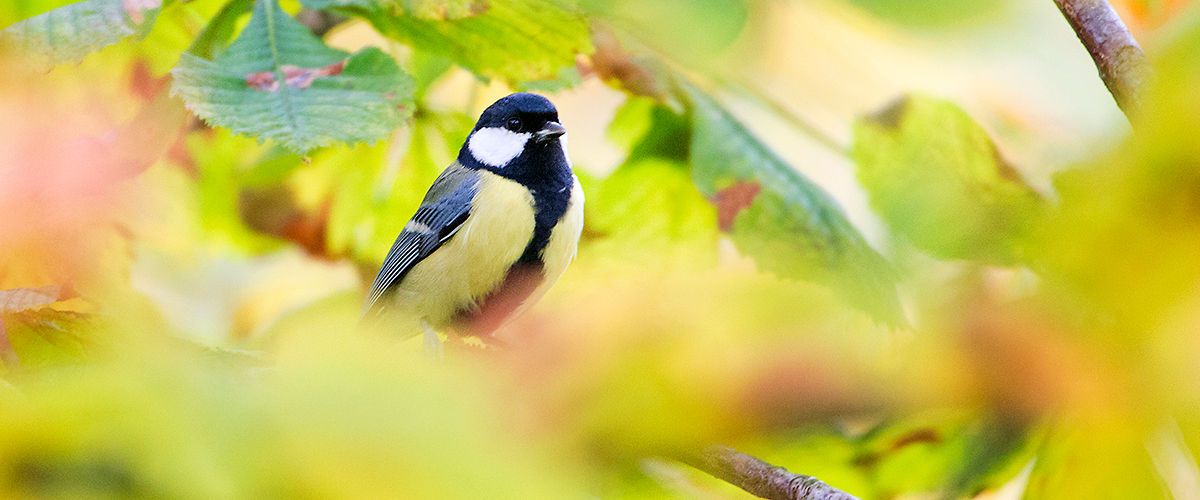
(504, 40)
(937, 179)
(179, 297)
(69, 33)
(775, 214)
(929, 13)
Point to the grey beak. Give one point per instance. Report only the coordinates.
(549, 131)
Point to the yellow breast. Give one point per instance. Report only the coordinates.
(564, 241)
(473, 262)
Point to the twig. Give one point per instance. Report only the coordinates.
(319, 21)
(763, 479)
(1117, 55)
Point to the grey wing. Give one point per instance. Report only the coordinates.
(442, 212)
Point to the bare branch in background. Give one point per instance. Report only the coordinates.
(1121, 62)
(763, 479)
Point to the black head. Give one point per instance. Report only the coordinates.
(519, 137)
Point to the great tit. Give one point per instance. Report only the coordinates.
(495, 231)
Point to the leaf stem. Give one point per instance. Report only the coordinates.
(806, 127)
(1121, 62)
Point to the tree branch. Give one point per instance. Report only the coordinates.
(763, 479)
(319, 21)
(1117, 55)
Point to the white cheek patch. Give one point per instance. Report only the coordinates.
(562, 141)
(495, 146)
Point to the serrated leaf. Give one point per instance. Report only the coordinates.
(508, 40)
(69, 33)
(278, 81)
(936, 178)
(773, 213)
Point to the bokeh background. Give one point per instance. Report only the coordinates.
(1006, 308)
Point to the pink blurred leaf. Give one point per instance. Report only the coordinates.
(24, 299)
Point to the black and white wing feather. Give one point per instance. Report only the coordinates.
(445, 207)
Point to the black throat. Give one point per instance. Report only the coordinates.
(543, 169)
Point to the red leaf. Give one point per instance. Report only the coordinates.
(263, 80)
(24, 299)
(732, 200)
(136, 9)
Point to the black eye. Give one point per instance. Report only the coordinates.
(514, 124)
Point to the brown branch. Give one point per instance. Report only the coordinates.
(763, 479)
(319, 21)
(1117, 55)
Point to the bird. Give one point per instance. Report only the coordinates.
(497, 228)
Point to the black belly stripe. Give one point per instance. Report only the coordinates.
(551, 200)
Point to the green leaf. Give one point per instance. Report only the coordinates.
(928, 15)
(1079, 456)
(220, 29)
(69, 33)
(648, 209)
(506, 41)
(423, 9)
(374, 196)
(936, 178)
(44, 337)
(649, 205)
(694, 32)
(426, 70)
(773, 213)
(176, 29)
(225, 166)
(953, 452)
(278, 81)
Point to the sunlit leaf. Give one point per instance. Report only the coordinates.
(423, 9)
(506, 41)
(650, 205)
(930, 13)
(649, 208)
(220, 28)
(278, 81)
(693, 31)
(937, 179)
(20, 300)
(1078, 455)
(960, 454)
(774, 214)
(226, 166)
(373, 196)
(45, 337)
(69, 33)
